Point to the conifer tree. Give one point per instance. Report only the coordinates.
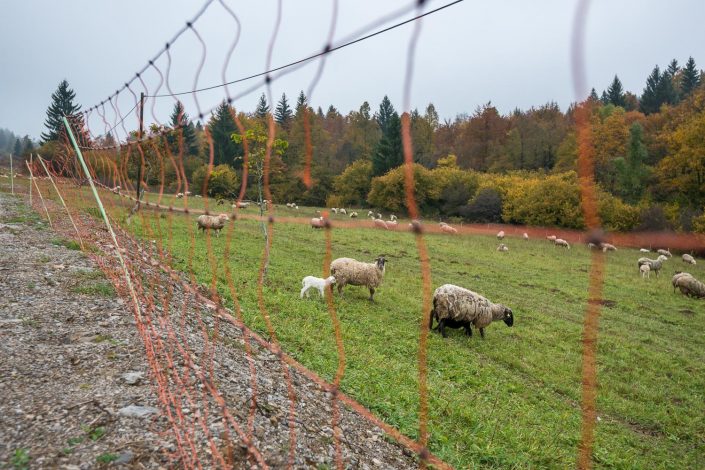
(61, 105)
(301, 103)
(283, 113)
(18, 148)
(690, 78)
(262, 108)
(649, 102)
(615, 92)
(182, 124)
(389, 152)
(27, 145)
(221, 127)
(593, 96)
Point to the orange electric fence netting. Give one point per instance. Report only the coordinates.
(184, 349)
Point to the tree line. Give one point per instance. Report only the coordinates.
(649, 160)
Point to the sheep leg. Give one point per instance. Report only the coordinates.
(320, 291)
(372, 292)
(442, 327)
(468, 330)
(430, 320)
(304, 289)
(482, 333)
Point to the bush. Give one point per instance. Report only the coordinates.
(334, 201)
(222, 182)
(388, 191)
(552, 201)
(353, 185)
(616, 215)
(455, 186)
(653, 219)
(486, 207)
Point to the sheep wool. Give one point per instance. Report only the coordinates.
(676, 277)
(356, 273)
(654, 264)
(688, 259)
(463, 307)
(502, 247)
(551, 238)
(689, 286)
(561, 242)
(212, 222)
(500, 235)
(526, 236)
(645, 270)
(607, 247)
(665, 253)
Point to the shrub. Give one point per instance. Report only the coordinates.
(455, 186)
(486, 207)
(653, 219)
(388, 191)
(616, 215)
(354, 183)
(222, 182)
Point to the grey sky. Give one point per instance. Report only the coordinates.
(515, 53)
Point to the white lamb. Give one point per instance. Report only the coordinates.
(645, 270)
(526, 236)
(311, 281)
(500, 235)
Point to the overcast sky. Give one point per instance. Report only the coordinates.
(515, 53)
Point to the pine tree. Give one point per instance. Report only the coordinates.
(385, 113)
(262, 108)
(61, 105)
(604, 99)
(221, 127)
(389, 152)
(301, 103)
(649, 102)
(673, 68)
(615, 92)
(632, 171)
(27, 145)
(18, 148)
(182, 124)
(667, 92)
(593, 96)
(690, 78)
(283, 113)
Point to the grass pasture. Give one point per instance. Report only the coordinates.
(511, 400)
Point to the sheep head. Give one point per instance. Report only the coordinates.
(508, 316)
(330, 280)
(380, 261)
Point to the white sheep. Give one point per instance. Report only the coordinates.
(645, 270)
(526, 236)
(212, 222)
(353, 215)
(370, 214)
(379, 216)
(591, 245)
(343, 211)
(500, 235)
(448, 229)
(551, 238)
(644, 250)
(187, 193)
(392, 217)
(317, 222)
(688, 285)
(311, 281)
(688, 259)
(607, 247)
(335, 210)
(502, 247)
(665, 253)
(356, 273)
(561, 242)
(296, 206)
(654, 264)
(457, 307)
(392, 224)
(179, 195)
(381, 224)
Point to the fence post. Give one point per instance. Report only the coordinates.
(30, 181)
(12, 177)
(133, 294)
(139, 139)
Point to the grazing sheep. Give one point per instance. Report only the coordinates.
(665, 253)
(311, 281)
(456, 307)
(335, 209)
(500, 235)
(689, 286)
(502, 247)
(356, 273)
(343, 211)
(392, 217)
(179, 195)
(381, 224)
(644, 250)
(561, 242)
(448, 229)
(187, 193)
(379, 216)
(198, 195)
(607, 247)
(688, 259)
(654, 264)
(212, 222)
(591, 245)
(645, 270)
(296, 206)
(353, 215)
(526, 236)
(551, 238)
(392, 224)
(675, 279)
(317, 222)
(370, 214)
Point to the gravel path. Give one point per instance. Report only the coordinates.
(78, 390)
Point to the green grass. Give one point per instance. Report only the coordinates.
(93, 283)
(20, 459)
(70, 244)
(510, 401)
(107, 458)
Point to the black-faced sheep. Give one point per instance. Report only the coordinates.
(456, 307)
(356, 273)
